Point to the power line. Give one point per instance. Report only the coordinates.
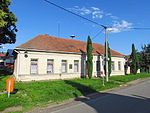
(98, 33)
(140, 28)
(105, 27)
(74, 13)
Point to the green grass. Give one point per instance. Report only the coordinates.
(34, 94)
(3, 82)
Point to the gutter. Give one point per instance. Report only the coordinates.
(47, 51)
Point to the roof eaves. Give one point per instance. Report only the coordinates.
(37, 50)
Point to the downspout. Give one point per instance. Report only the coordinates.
(17, 64)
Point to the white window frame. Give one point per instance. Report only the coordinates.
(64, 63)
(119, 65)
(113, 65)
(76, 63)
(50, 62)
(34, 61)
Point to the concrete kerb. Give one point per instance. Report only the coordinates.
(66, 103)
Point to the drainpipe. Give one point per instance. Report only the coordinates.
(17, 64)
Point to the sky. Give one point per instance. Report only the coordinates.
(36, 17)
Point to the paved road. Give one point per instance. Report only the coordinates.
(133, 99)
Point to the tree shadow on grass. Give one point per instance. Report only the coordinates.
(82, 88)
(108, 102)
(87, 92)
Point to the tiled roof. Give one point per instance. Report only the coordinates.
(1, 54)
(49, 43)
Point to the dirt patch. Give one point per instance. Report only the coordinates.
(12, 109)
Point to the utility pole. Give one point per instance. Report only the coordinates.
(107, 29)
(106, 49)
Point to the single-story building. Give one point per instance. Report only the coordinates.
(47, 58)
(6, 62)
(2, 61)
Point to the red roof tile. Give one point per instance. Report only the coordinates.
(1, 54)
(49, 43)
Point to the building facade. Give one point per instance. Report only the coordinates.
(49, 58)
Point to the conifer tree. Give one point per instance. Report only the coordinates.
(89, 57)
(109, 61)
(134, 61)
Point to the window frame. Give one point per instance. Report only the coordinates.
(34, 62)
(76, 62)
(119, 65)
(51, 62)
(98, 66)
(62, 63)
(113, 65)
(70, 66)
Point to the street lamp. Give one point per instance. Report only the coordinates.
(106, 49)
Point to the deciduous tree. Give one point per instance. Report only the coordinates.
(7, 23)
(145, 63)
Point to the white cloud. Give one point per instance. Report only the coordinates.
(95, 8)
(82, 11)
(94, 12)
(108, 14)
(113, 17)
(97, 14)
(121, 26)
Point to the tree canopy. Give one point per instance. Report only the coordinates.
(134, 64)
(89, 57)
(145, 58)
(109, 60)
(7, 23)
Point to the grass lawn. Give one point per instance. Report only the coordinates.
(35, 94)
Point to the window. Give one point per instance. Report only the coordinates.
(64, 66)
(103, 63)
(34, 66)
(113, 65)
(119, 65)
(76, 65)
(70, 66)
(98, 66)
(50, 63)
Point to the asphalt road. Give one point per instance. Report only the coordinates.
(133, 99)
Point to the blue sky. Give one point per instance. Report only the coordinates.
(37, 17)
